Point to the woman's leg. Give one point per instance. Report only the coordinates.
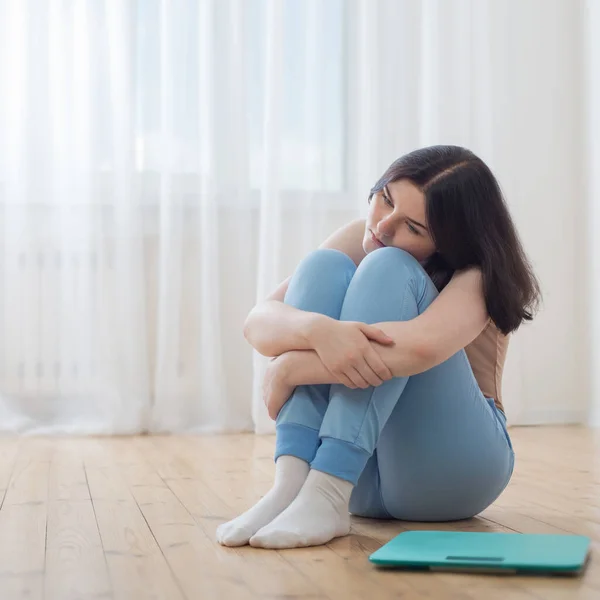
(440, 457)
(318, 285)
(425, 446)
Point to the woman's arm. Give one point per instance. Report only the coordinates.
(273, 327)
(452, 321)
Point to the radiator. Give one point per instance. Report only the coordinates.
(52, 319)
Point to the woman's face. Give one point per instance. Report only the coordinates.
(397, 218)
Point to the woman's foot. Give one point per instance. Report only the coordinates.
(290, 474)
(317, 515)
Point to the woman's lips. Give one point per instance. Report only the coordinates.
(376, 241)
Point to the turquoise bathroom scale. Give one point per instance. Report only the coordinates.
(485, 552)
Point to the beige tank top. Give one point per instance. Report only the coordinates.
(487, 354)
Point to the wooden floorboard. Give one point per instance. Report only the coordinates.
(135, 518)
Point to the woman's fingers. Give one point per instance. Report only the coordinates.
(378, 366)
(369, 375)
(357, 378)
(369, 370)
(375, 334)
(345, 380)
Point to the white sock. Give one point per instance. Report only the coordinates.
(317, 515)
(290, 474)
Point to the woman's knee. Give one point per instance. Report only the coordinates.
(320, 282)
(387, 263)
(391, 256)
(326, 265)
(389, 285)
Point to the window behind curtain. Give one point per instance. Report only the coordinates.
(311, 93)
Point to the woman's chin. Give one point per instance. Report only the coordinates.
(369, 246)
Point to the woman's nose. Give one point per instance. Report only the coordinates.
(385, 227)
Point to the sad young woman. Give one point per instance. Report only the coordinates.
(388, 346)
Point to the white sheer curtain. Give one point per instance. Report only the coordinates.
(163, 164)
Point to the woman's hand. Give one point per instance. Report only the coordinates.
(276, 389)
(344, 348)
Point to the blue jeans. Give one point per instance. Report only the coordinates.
(429, 447)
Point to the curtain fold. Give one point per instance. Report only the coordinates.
(165, 163)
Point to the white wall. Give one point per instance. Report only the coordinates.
(539, 160)
(592, 252)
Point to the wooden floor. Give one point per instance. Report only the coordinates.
(136, 517)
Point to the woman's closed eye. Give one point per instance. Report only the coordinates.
(412, 228)
(387, 199)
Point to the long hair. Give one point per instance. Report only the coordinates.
(471, 227)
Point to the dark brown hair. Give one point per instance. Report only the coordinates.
(471, 226)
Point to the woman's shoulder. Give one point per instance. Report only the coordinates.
(349, 240)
